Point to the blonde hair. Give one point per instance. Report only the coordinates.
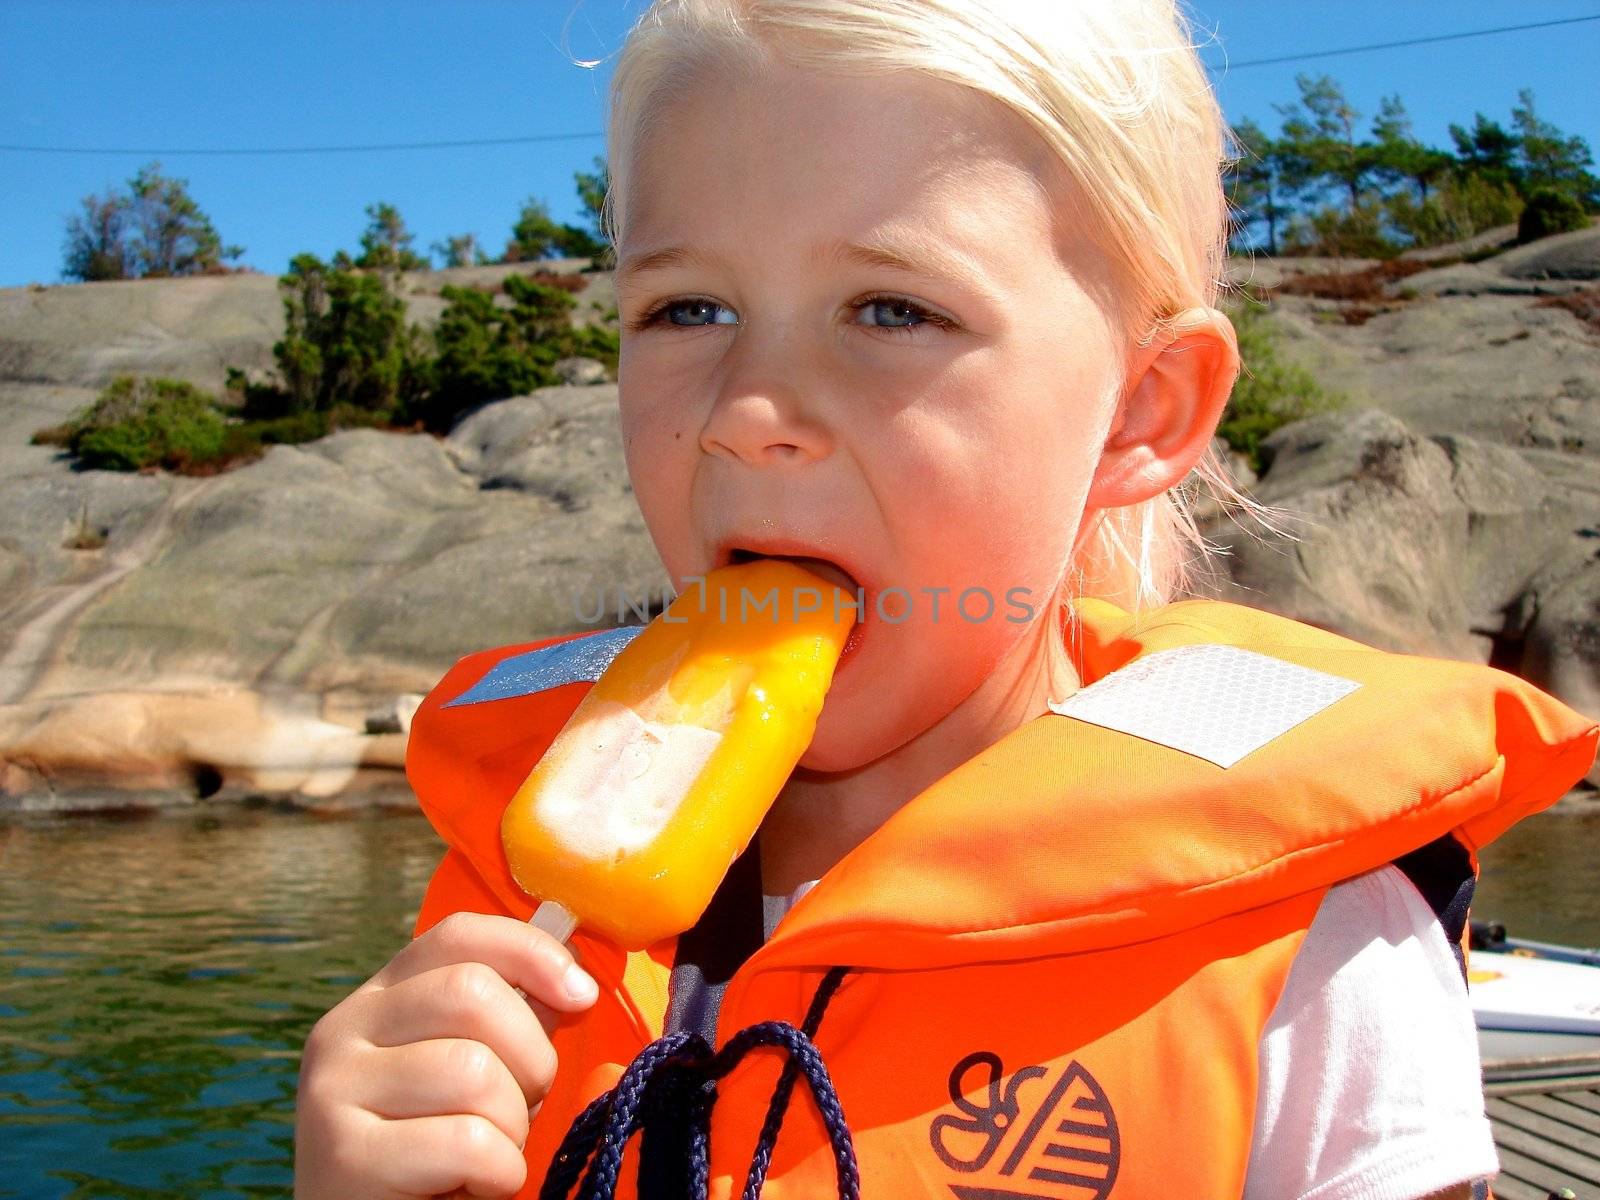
(1115, 89)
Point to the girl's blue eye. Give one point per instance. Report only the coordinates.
(655, 315)
(900, 308)
(903, 309)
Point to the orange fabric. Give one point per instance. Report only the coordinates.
(1104, 922)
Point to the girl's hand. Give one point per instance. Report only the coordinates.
(423, 1079)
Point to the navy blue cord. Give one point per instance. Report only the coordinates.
(827, 1102)
(669, 1090)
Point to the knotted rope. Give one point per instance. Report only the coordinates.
(668, 1092)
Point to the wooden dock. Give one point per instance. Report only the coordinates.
(1546, 1116)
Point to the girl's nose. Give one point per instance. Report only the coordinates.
(764, 424)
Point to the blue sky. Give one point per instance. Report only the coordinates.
(178, 74)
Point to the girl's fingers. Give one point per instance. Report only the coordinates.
(443, 1078)
(523, 956)
(430, 1156)
(467, 1001)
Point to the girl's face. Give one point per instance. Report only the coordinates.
(855, 331)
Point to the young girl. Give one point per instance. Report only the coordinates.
(921, 293)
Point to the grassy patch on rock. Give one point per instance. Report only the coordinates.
(145, 423)
(136, 423)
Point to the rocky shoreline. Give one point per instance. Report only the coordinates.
(263, 635)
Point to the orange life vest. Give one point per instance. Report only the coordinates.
(1060, 956)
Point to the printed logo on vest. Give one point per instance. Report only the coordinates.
(1068, 1147)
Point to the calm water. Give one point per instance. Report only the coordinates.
(1542, 879)
(158, 975)
(157, 978)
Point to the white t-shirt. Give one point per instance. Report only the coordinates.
(1370, 1086)
(1369, 1083)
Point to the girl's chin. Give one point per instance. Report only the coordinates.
(844, 729)
(832, 762)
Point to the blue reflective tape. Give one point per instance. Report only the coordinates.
(581, 659)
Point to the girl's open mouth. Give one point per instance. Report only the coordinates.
(825, 569)
(821, 567)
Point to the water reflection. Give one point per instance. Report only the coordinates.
(1541, 881)
(158, 976)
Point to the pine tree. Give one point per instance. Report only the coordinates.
(1254, 185)
(1397, 155)
(386, 243)
(460, 251)
(155, 228)
(97, 240)
(1319, 141)
(1550, 159)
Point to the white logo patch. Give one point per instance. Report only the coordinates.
(1218, 703)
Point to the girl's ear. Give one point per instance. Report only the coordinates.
(1172, 398)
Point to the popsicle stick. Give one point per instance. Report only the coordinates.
(553, 919)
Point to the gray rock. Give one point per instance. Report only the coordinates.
(1375, 527)
(580, 372)
(81, 336)
(1562, 652)
(1498, 238)
(562, 444)
(1261, 270)
(1476, 279)
(1573, 256)
(1494, 368)
(1555, 265)
(1443, 546)
(367, 560)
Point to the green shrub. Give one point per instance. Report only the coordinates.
(344, 416)
(137, 423)
(1270, 392)
(348, 359)
(1341, 233)
(346, 342)
(536, 236)
(1455, 210)
(487, 351)
(288, 430)
(1550, 212)
(593, 341)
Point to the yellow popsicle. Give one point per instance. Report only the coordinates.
(664, 771)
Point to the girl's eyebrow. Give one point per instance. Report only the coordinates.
(927, 262)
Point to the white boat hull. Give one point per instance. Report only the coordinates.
(1537, 1009)
(1524, 993)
